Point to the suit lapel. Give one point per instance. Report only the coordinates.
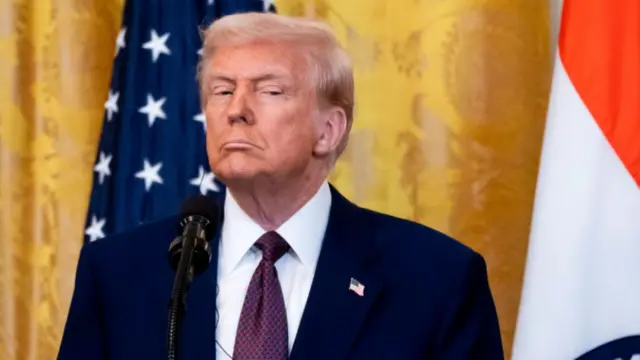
(333, 314)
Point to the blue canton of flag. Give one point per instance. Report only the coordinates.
(152, 151)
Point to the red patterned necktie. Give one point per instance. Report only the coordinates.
(262, 330)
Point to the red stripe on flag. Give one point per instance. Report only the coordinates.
(599, 45)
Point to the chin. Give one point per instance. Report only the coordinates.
(230, 172)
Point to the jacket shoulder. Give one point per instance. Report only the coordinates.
(159, 231)
(413, 240)
(150, 237)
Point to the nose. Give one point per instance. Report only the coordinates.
(239, 110)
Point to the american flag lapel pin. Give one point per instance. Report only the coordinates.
(356, 287)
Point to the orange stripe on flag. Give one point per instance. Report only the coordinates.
(599, 45)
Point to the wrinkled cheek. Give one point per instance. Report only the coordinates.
(295, 149)
(213, 128)
(212, 149)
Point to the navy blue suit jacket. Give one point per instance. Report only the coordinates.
(426, 296)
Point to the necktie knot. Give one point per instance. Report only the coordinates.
(273, 246)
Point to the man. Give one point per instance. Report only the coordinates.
(298, 271)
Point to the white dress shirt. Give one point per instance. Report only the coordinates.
(238, 259)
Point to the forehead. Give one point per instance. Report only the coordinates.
(257, 60)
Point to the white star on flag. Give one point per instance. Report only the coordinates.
(266, 4)
(150, 174)
(201, 118)
(94, 231)
(200, 51)
(111, 105)
(102, 167)
(157, 45)
(153, 109)
(205, 181)
(210, 2)
(120, 43)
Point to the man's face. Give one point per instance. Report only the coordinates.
(261, 112)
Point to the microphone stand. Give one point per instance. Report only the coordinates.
(184, 276)
(195, 254)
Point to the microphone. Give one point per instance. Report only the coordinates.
(189, 255)
(198, 217)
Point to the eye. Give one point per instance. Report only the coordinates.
(221, 91)
(272, 91)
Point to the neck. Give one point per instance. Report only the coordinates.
(272, 203)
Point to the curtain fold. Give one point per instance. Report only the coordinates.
(55, 64)
(451, 100)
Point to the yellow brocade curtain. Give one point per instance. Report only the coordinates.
(55, 65)
(451, 100)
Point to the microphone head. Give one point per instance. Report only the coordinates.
(198, 215)
(203, 206)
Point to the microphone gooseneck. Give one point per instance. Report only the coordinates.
(189, 255)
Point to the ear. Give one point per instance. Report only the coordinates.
(332, 129)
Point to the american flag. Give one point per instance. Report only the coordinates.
(356, 287)
(151, 154)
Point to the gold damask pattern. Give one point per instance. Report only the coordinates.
(55, 64)
(451, 100)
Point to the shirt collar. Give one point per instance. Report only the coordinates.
(304, 231)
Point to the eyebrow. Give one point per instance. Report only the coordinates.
(258, 78)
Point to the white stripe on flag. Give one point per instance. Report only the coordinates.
(582, 282)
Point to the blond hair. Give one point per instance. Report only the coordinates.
(329, 63)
